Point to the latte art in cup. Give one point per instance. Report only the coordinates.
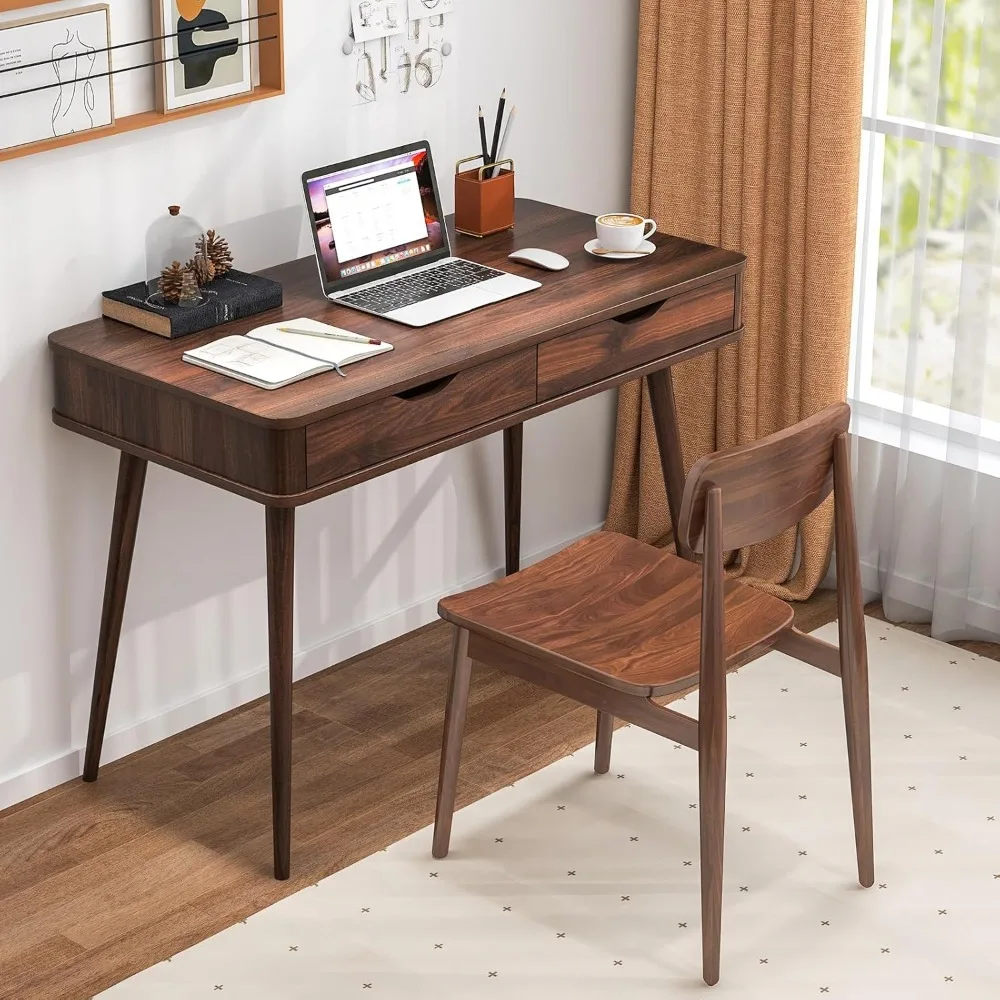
(621, 220)
(623, 232)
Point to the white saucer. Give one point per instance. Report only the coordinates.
(645, 249)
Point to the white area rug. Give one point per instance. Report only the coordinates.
(572, 885)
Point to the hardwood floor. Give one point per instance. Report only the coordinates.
(172, 844)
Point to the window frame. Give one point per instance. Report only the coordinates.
(880, 414)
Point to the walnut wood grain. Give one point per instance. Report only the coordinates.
(451, 747)
(668, 443)
(441, 386)
(616, 345)
(128, 501)
(574, 607)
(180, 428)
(768, 485)
(296, 499)
(280, 551)
(595, 693)
(712, 736)
(853, 660)
(809, 649)
(513, 446)
(397, 424)
(602, 742)
(611, 622)
(588, 292)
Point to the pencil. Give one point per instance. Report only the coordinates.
(351, 338)
(482, 138)
(503, 142)
(495, 148)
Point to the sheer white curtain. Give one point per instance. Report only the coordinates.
(925, 378)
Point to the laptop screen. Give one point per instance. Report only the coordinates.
(370, 215)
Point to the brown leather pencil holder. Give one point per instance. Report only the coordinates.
(484, 205)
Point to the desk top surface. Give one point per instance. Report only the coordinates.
(589, 291)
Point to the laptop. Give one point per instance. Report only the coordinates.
(382, 245)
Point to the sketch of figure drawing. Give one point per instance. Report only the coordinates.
(73, 62)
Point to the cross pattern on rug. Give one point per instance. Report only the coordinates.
(604, 900)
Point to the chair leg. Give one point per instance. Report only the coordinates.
(853, 661)
(602, 751)
(451, 749)
(712, 786)
(854, 677)
(712, 740)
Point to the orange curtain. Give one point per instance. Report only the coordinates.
(747, 136)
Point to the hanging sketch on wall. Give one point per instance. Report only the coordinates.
(389, 65)
(365, 91)
(377, 18)
(54, 75)
(430, 8)
(205, 51)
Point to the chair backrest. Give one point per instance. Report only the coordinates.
(767, 486)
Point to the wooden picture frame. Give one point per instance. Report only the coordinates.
(65, 87)
(205, 52)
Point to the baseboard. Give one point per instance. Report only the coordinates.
(207, 705)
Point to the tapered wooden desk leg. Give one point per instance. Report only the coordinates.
(602, 745)
(128, 500)
(661, 398)
(513, 438)
(451, 747)
(280, 540)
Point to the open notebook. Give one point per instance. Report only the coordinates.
(269, 359)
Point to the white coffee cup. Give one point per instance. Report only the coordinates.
(623, 231)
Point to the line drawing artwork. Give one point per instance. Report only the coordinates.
(55, 76)
(364, 78)
(399, 66)
(73, 63)
(372, 19)
(429, 8)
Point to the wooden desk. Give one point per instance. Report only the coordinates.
(587, 329)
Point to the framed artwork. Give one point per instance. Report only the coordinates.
(55, 75)
(205, 51)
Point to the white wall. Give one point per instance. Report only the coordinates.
(370, 562)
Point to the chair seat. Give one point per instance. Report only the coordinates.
(615, 609)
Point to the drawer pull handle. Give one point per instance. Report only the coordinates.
(427, 389)
(639, 314)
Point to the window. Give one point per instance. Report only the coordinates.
(927, 296)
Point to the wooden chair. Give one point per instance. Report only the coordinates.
(614, 623)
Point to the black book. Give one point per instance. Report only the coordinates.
(235, 295)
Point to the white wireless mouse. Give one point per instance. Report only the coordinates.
(545, 259)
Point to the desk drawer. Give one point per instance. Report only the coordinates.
(397, 424)
(608, 348)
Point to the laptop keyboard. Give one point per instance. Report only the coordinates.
(411, 288)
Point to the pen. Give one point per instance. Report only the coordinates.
(503, 142)
(352, 338)
(482, 138)
(496, 128)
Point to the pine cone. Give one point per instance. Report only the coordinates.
(216, 249)
(189, 288)
(203, 268)
(172, 281)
